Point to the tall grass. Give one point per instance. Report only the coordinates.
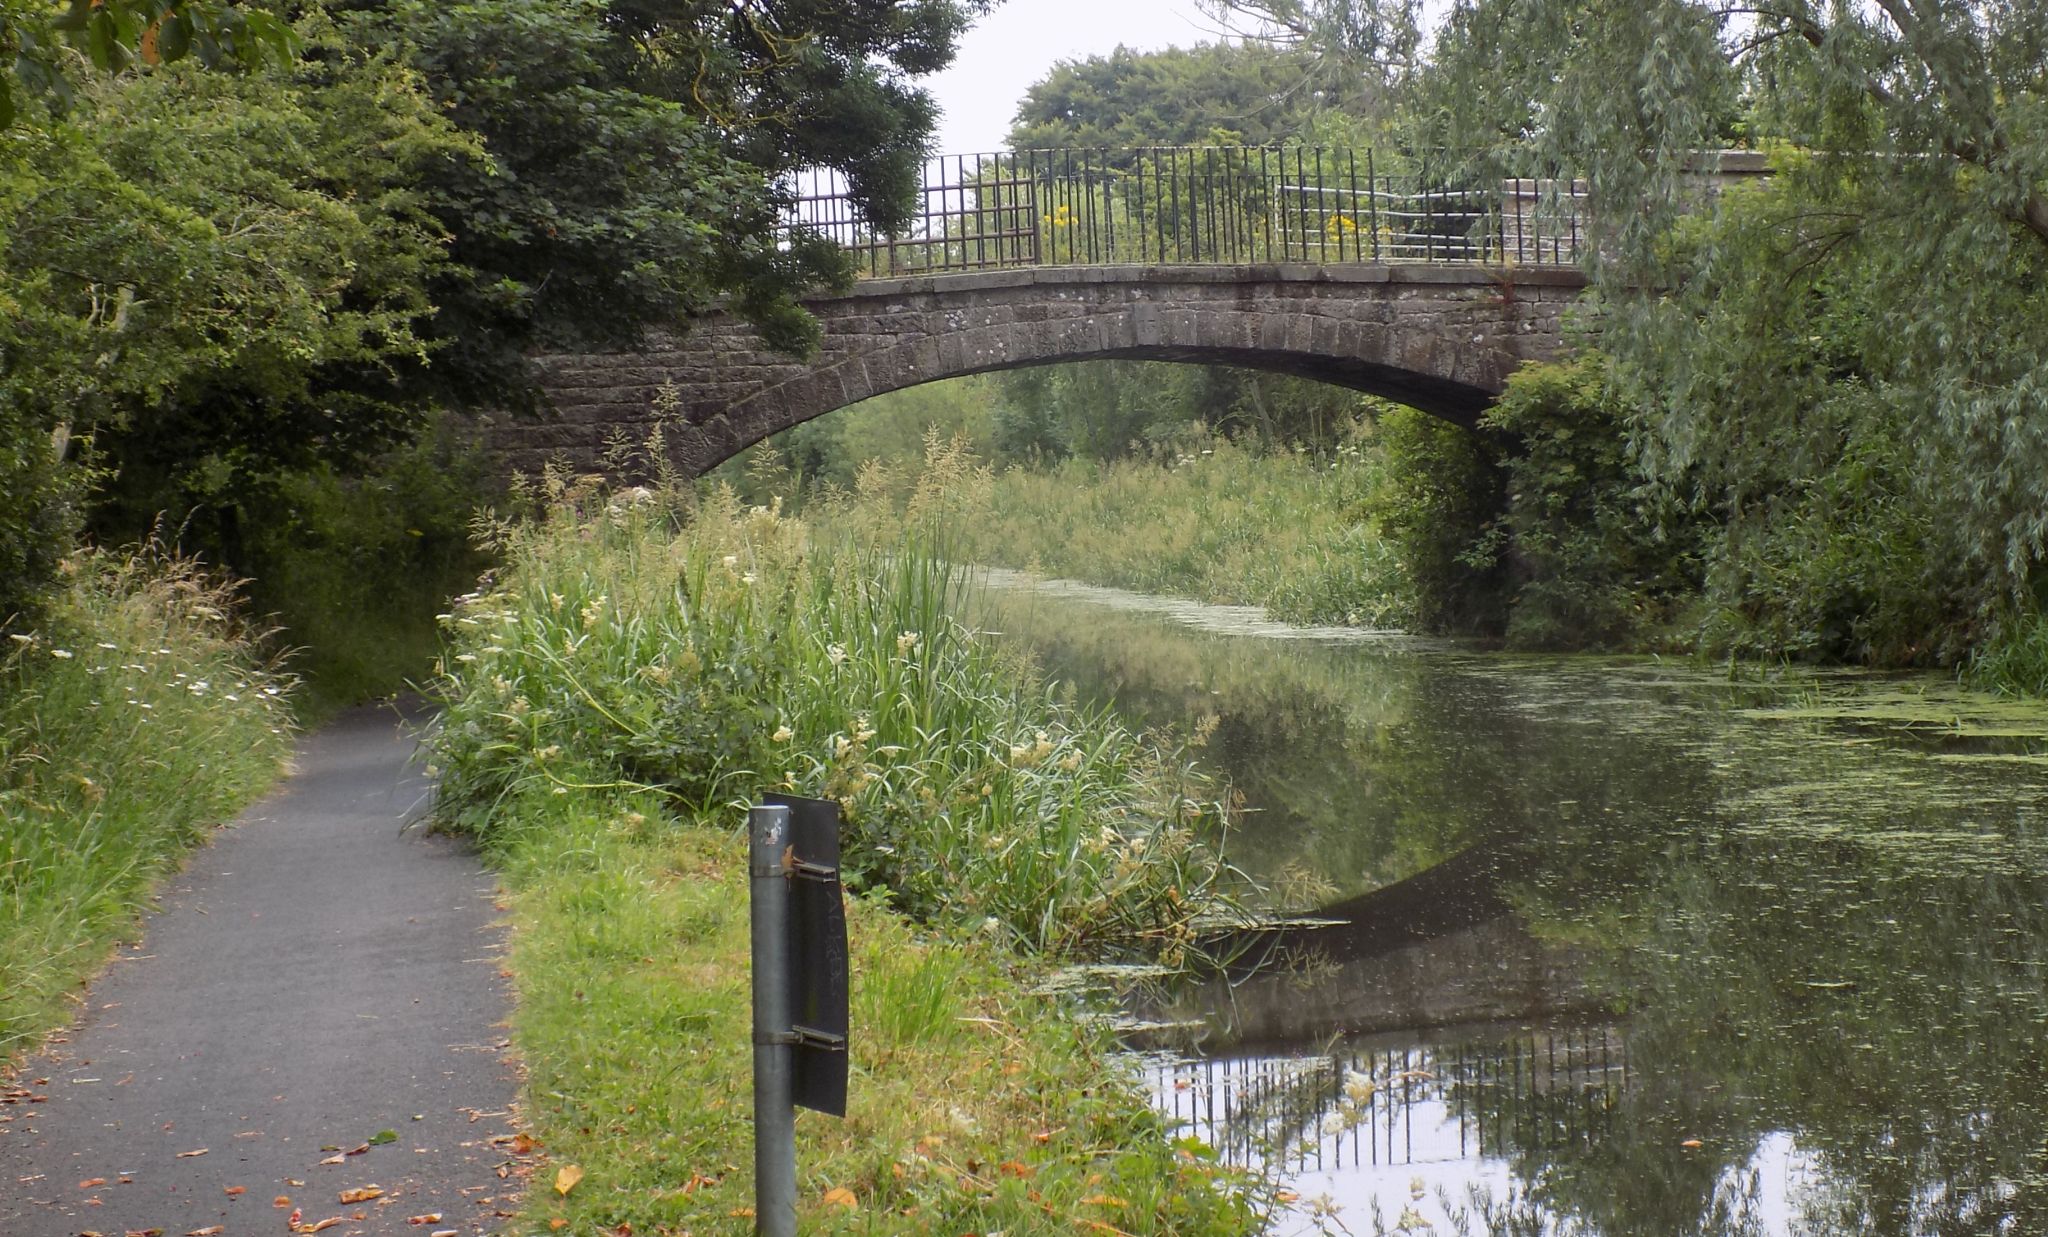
(749, 651)
(1209, 519)
(643, 669)
(133, 722)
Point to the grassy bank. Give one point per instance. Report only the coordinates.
(1215, 522)
(132, 723)
(628, 686)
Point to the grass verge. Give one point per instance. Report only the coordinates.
(975, 1105)
(134, 722)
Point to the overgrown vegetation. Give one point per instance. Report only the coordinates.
(133, 721)
(635, 677)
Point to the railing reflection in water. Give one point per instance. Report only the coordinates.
(1364, 1107)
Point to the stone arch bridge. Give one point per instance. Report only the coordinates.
(1442, 338)
(1300, 261)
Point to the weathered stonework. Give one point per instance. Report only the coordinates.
(1442, 338)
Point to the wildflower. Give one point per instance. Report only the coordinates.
(906, 641)
(732, 560)
(1358, 1088)
(465, 657)
(748, 578)
(18, 638)
(1336, 1123)
(783, 734)
(61, 654)
(836, 654)
(103, 644)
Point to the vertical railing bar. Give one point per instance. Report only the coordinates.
(1372, 202)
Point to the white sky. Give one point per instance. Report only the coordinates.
(1021, 41)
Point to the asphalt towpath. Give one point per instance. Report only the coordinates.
(319, 976)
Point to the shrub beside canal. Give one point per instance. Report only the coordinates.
(634, 679)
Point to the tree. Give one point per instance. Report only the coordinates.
(633, 161)
(1890, 273)
(1172, 97)
(112, 34)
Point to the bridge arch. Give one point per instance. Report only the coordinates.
(1440, 338)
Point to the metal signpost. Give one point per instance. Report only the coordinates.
(800, 989)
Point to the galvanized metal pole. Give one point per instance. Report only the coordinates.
(768, 837)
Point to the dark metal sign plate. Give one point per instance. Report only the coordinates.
(819, 998)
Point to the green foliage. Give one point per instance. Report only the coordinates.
(748, 652)
(1592, 559)
(1171, 97)
(136, 719)
(1436, 507)
(833, 451)
(1204, 518)
(352, 569)
(1110, 410)
(114, 34)
(190, 256)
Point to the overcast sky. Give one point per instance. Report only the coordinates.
(1018, 43)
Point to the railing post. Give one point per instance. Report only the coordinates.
(768, 837)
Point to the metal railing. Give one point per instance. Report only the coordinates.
(1198, 205)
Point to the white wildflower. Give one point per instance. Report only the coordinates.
(61, 654)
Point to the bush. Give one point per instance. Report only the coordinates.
(354, 569)
(1593, 558)
(1436, 507)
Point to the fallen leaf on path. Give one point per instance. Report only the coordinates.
(362, 1194)
(381, 1137)
(322, 1226)
(432, 1217)
(186, 1155)
(332, 1159)
(211, 1230)
(840, 1196)
(282, 1200)
(235, 1191)
(362, 1150)
(566, 1178)
(292, 1221)
(91, 1183)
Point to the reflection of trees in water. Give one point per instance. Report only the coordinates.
(1360, 1106)
(1826, 936)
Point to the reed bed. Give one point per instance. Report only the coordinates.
(137, 720)
(744, 650)
(1210, 520)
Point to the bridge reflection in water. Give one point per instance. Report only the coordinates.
(1360, 1119)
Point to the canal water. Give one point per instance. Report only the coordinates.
(1617, 946)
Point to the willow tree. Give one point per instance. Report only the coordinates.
(1845, 370)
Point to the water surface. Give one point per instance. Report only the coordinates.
(1628, 946)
